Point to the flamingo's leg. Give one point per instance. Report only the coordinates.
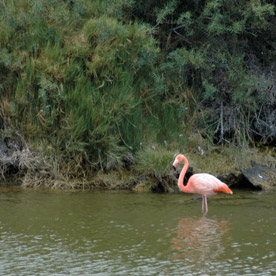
(206, 205)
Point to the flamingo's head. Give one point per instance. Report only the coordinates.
(177, 159)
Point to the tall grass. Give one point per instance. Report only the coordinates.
(83, 83)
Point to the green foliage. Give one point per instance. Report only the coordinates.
(84, 92)
(155, 162)
(219, 49)
(90, 81)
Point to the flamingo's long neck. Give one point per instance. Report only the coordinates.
(182, 174)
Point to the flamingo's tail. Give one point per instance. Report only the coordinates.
(223, 188)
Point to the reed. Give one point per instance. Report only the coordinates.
(86, 96)
(156, 162)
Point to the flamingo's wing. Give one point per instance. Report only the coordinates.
(204, 183)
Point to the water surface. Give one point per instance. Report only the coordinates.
(124, 233)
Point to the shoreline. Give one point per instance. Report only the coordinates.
(151, 171)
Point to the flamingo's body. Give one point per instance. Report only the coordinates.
(201, 183)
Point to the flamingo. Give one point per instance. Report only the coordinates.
(200, 183)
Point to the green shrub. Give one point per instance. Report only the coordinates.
(219, 50)
(154, 162)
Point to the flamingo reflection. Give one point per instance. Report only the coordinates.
(199, 239)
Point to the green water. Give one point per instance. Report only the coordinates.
(123, 233)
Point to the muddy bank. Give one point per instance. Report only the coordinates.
(29, 169)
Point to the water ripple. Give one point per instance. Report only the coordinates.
(99, 234)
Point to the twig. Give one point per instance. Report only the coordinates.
(221, 122)
(183, 37)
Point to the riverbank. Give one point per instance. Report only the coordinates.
(149, 171)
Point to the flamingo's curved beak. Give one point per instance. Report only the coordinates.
(175, 163)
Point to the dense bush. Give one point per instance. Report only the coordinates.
(225, 52)
(79, 86)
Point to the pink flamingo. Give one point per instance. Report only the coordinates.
(200, 183)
